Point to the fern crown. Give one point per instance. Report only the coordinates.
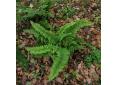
(59, 45)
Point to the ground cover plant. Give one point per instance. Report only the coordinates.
(40, 9)
(58, 42)
(55, 47)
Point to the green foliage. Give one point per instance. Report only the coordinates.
(93, 57)
(59, 45)
(17, 0)
(39, 50)
(21, 59)
(59, 62)
(73, 27)
(40, 9)
(66, 12)
(46, 24)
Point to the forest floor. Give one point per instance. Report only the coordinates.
(76, 73)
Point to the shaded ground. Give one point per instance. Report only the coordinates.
(76, 73)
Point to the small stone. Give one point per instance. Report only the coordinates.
(59, 80)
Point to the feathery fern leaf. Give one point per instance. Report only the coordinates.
(45, 24)
(31, 31)
(65, 27)
(47, 34)
(41, 49)
(21, 59)
(38, 36)
(63, 36)
(60, 62)
(74, 26)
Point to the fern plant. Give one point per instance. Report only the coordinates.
(66, 12)
(58, 45)
(21, 59)
(40, 9)
(93, 57)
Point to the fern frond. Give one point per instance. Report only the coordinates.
(60, 62)
(31, 31)
(74, 26)
(21, 59)
(63, 36)
(39, 50)
(65, 27)
(45, 24)
(46, 2)
(47, 34)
